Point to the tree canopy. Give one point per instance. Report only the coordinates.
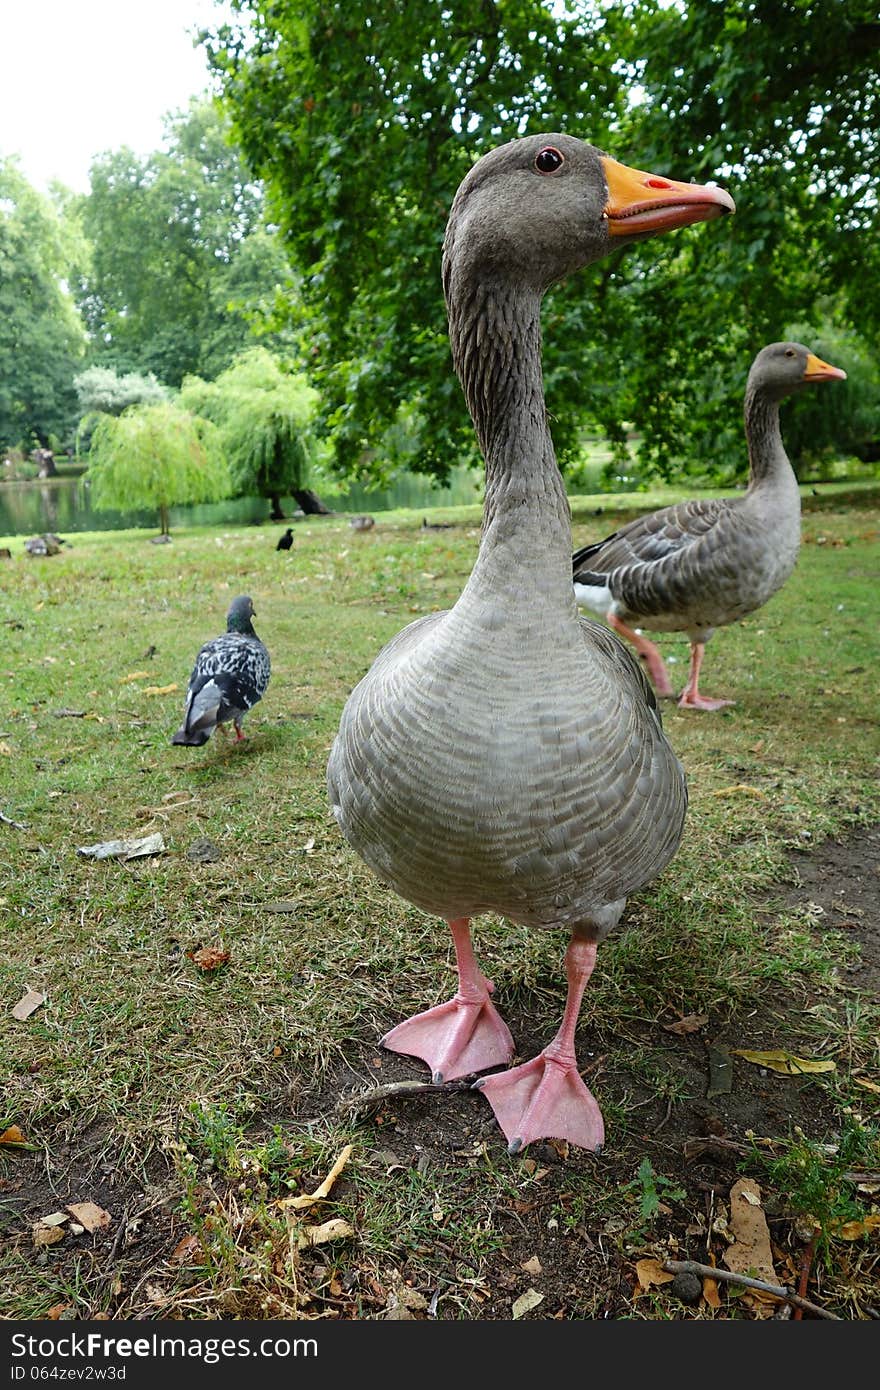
(156, 456)
(264, 417)
(184, 272)
(41, 338)
(362, 124)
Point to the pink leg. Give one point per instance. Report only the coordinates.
(546, 1098)
(649, 654)
(239, 736)
(690, 696)
(464, 1035)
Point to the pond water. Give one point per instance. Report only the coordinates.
(63, 504)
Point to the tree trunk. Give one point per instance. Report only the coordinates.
(163, 518)
(277, 512)
(311, 503)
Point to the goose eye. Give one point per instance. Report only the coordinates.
(548, 160)
(789, 352)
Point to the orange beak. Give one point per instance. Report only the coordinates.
(641, 204)
(817, 370)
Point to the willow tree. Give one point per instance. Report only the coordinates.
(158, 456)
(264, 416)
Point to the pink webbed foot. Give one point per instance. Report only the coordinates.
(690, 696)
(544, 1099)
(466, 1034)
(694, 700)
(456, 1039)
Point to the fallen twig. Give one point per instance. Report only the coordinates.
(400, 1090)
(806, 1266)
(7, 820)
(709, 1272)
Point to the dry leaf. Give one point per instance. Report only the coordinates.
(526, 1302)
(47, 1235)
(689, 1024)
(740, 789)
(533, 1266)
(134, 676)
(336, 1229)
(57, 1311)
(854, 1230)
(90, 1215)
(784, 1062)
(208, 957)
(309, 1199)
(710, 1292)
(651, 1273)
(750, 1252)
(160, 689)
(55, 1218)
(125, 849)
(27, 1004)
(12, 1135)
(868, 1085)
(5, 750)
(188, 1251)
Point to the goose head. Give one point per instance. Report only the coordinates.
(781, 369)
(541, 207)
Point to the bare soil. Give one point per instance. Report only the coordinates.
(585, 1261)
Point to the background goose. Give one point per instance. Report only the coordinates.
(230, 675)
(462, 772)
(699, 565)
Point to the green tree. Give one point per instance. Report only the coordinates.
(41, 338)
(362, 124)
(184, 269)
(103, 389)
(264, 416)
(156, 456)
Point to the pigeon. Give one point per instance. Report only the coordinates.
(285, 541)
(362, 523)
(230, 675)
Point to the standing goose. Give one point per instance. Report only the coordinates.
(699, 565)
(462, 772)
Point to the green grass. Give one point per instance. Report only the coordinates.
(201, 1070)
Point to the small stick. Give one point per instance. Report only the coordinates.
(400, 1089)
(16, 823)
(708, 1272)
(806, 1264)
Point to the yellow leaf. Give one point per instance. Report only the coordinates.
(868, 1085)
(853, 1230)
(784, 1062)
(309, 1199)
(650, 1273)
(337, 1229)
(134, 676)
(160, 689)
(741, 789)
(12, 1135)
(5, 750)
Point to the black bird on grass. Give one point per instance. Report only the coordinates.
(230, 675)
(285, 541)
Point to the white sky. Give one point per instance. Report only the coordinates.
(78, 77)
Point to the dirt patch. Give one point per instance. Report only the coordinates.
(563, 1228)
(842, 880)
